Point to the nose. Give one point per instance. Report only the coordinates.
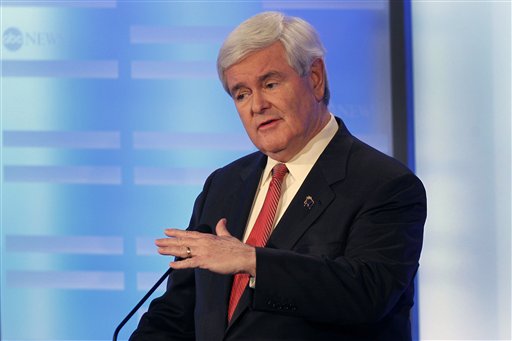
(259, 102)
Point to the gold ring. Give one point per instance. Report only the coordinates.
(189, 252)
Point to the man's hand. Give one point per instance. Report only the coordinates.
(221, 253)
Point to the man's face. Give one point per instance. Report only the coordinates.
(280, 110)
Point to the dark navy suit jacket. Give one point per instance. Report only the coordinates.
(341, 268)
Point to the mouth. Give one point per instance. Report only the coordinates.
(268, 123)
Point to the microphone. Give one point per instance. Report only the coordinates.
(201, 228)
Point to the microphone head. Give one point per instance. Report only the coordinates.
(203, 228)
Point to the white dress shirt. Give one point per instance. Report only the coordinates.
(299, 167)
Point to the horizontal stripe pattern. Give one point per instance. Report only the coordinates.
(88, 280)
(145, 246)
(323, 5)
(173, 70)
(87, 245)
(145, 280)
(64, 174)
(62, 139)
(209, 141)
(60, 68)
(61, 3)
(170, 176)
(168, 35)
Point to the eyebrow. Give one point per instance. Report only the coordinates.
(261, 79)
(270, 74)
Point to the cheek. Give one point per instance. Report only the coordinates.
(294, 124)
(247, 123)
(243, 114)
(301, 116)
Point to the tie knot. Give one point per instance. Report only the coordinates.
(279, 171)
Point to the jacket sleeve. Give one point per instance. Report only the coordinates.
(171, 316)
(364, 281)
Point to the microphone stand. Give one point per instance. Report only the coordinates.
(141, 302)
(201, 228)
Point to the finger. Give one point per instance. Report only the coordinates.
(181, 234)
(175, 233)
(175, 250)
(169, 251)
(221, 228)
(179, 251)
(169, 242)
(183, 264)
(162, 242)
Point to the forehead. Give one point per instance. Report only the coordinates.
(257, 64)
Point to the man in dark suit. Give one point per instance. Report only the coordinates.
(346, 224)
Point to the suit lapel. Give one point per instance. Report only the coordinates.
(298, 217)
(329, 169)
(243, 197)
(293, 224)
(315, 194)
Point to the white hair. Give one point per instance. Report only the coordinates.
(300, 40)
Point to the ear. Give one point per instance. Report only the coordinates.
(317, 78)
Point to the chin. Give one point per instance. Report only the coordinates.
(271, 149)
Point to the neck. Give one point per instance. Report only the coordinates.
(288, 154)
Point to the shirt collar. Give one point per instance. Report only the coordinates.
(305, 159)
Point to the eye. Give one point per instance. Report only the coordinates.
(271, 85)
(240, 96)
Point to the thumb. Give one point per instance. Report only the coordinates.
(221, 229)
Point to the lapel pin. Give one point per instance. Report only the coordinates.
(309, 202)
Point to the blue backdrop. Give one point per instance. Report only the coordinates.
(112, 117)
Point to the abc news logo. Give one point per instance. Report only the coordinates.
(14, 39)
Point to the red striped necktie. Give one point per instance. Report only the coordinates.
(260, 232)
